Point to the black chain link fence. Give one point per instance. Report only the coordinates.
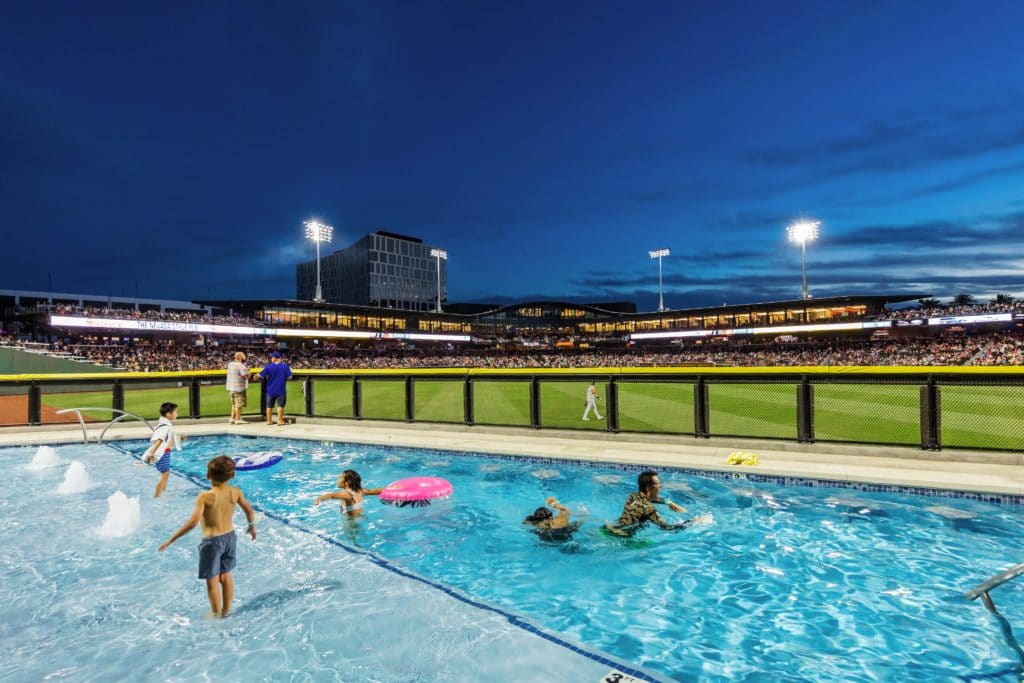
(932, 411)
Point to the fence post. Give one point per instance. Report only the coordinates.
(467, 401)
(805, 411)
(612, 407)
(194, 406)
(700, 409)
(310, 405)
(410, 400)
(535, 403)
(117, 400)
(931, 439)
(35, 404)
(357, 398)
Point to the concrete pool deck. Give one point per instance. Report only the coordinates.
(953, 470)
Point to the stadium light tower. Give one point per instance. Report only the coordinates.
(801, 233)
(318, 232)
(439, 254)
(660, 254)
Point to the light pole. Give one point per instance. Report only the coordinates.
(801, 233)
(318, 232)
(439, 254)
(660, 254)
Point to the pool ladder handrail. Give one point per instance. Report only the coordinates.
(123, 414)
(982, 590)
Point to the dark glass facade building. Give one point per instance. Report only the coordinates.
(383, 269)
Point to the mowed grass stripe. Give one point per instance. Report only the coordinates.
(866, 412)
(982, 417)
(765, 410)
(501, 403)
(383, 399)
(439, 401)
(332, 398)
(562, 405)
(647, 407)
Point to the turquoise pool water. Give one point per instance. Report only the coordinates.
(811, 584)
(77, 604)
(817, 584)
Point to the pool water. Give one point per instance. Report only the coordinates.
(80, 603)
(810, 584)
(817, 584)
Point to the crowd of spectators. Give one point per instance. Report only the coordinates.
(991, 349)
(953, 309)
(169, 316)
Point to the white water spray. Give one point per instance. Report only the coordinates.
(124, 516)
(76, 479)
(44, 458)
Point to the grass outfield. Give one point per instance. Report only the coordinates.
(972, 416)
(214, 401)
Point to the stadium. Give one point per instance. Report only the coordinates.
(471, 342)
(457, 363)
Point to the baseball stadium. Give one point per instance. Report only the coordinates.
(893, 416)
(540, 342)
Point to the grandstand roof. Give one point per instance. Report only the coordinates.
(624, 310)
(870, 300)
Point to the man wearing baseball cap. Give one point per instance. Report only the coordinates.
(276, 375)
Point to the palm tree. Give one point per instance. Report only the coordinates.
(963, 299)
(1004, 300)
(930, 302)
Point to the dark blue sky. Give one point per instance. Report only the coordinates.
(547, 146)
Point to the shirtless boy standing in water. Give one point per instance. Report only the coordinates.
(214, 509)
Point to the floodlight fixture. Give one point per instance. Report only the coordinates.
(660, 254)
(801, 233)
(318, 232)
(439, 254)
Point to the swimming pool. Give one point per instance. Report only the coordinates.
(79, 605)
(800, 583)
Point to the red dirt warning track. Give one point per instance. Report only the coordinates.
(14, 411)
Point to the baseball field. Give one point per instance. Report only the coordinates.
(971, 416)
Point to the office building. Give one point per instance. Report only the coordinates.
(381, 269)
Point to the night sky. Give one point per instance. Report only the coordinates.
(548, 146)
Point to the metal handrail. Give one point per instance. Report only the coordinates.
(982, 590)
(123, 415)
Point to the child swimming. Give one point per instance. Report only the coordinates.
(352, 496)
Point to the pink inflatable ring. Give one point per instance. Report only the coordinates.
(416, 491)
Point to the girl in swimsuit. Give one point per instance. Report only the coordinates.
(352, 495)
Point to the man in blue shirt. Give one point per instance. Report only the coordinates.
(275, 375)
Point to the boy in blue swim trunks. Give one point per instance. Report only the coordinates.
(161, 443)
(214, 509)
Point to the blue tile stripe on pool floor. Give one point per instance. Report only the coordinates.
(383, 563)
(1006, 499)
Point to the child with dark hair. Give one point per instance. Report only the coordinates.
(214, 510)
(163, 438)
(549, 526)
(352, 494)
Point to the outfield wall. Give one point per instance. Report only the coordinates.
(18, 362)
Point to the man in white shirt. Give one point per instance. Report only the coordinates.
(592, 402)
(161, 443)
(236, 384)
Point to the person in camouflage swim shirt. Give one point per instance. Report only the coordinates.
(639, 508)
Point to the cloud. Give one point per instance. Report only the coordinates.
(870, 137)
(966, 180)
(881, 146)
(937, 257)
